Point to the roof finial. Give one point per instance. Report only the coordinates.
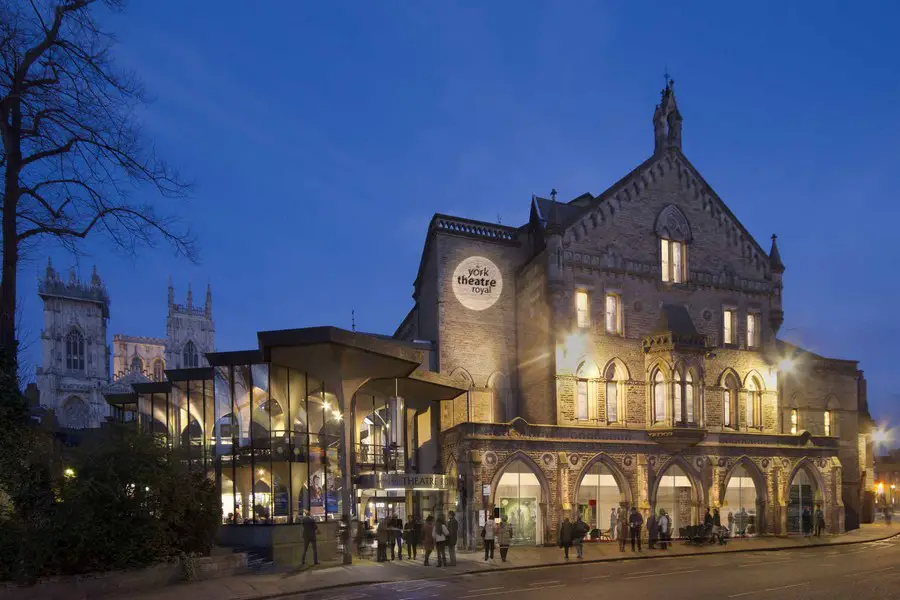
(775, 262)
(553, 194)
(353, 320)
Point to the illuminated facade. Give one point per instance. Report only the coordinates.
(621, 349)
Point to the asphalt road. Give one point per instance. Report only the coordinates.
(870, 570)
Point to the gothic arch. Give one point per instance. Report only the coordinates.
(587, 367)
(807, 465)
(671, 224)
(689, 471)
(720, 382)
(760, 382)
(755, 473)
(607, 461)
(76, 413)
(461, 375)
(621, 369)
(831, 402)
(518, 455)
(659, 365)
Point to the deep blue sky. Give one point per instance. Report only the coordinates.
(322, 136)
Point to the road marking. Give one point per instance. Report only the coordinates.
(596, 577)
(662, 574)
(783, 587)
(764, 563)
(543, 582)
(858, 573)
(491, 589)
(511, 591)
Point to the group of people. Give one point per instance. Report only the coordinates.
(435, 534)
(812, 521)
(499, 534)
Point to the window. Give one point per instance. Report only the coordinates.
(75, 351)
(728, 326)
(613, 314)
(754, 403)
(672, 260)
(583, 393)
(794, 421)
(677, 388)
(158, 370)
(191, 358)
(137, 365)
(828, 422)
(688, 397)
(729, 402)
(582, 309)
(659, 398)
(752, 330)
(726, 404)
(612, 395)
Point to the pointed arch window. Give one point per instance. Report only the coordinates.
(678, 398)
(583, 393)
(674, 233)
(729, 402)
(190, 356)
(794, 421)
(659, 397)
(827, 422)
(614, 412)
(137, 365)
(158, 370)
(754, 403)
(688, 397)
(75, 351)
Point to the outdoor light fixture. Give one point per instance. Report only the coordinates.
(786, 365)
(69, 472)
(327, 406)
(260, 472)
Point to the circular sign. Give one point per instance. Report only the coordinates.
(477, 283)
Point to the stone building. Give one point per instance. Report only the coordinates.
(620, 350)
(75, 373)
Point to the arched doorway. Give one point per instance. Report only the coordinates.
(677, 494)
(518, 496)
(742, 500)
(598, 494)
(803, 494)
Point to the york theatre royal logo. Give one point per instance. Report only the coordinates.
(477, 283)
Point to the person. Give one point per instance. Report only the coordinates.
(652, 530)
(409, 534)
(579, 530)
(888, 515)
(504, 537)
(310, 529)
(488, 534)
(428, 538)
(708, 522)
(730, 523)
(806, 521)
(398, 536)
(440, 540)
(663, 524)
(820, 520)
(381, 539)
(717, 525)
(565, 536)
(622, 529)
(635, 522)
(453, 528)
(613, 520)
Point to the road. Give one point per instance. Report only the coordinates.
(869, 570)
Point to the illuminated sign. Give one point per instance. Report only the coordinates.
(477, 283)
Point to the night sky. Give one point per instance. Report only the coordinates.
(322, 136)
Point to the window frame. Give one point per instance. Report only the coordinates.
(582, 315)
(582, 380)
(753, 334)
(829, 426)
(75, 350)
(195, 355)
(729, 318)
(616, 298)
(731, 399)
(658, 387)
(795, 421)
(673, 263)
(754, 404)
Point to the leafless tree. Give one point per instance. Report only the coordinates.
(73, 152)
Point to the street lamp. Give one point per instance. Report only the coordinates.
(69, 473)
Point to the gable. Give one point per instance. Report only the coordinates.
(624, 220)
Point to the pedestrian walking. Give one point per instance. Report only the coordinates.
(488, 533)
(398, 536)
(664, 525)
(310, 530)
(613, 520)
(888, 514)
(652, 530)
(453, 528)
(409, 536)
(635, 523)
(381, 539)
(820, 520)
(565, 536)
(440, 540)
(622, 528)
(504, 537)
(730, 524)
(579, 530)
(428, 538)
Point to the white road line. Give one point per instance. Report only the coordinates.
(664, 573)
(516, 591)
(764, 563)
(858, 573)
(543, 582)
(596, 577)
(491, 589)
(783, 587)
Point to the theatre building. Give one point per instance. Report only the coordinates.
(621, 350)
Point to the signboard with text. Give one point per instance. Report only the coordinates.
(477, 283)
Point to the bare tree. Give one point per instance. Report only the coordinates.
(73, 152)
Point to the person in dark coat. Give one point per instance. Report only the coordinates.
(652, 532)
(708, 521)
(820, 520)
(806, 521)
(622, 532)
(565, 536)
(452, 537)
(310, 530)
(579, 530)
(635, 523)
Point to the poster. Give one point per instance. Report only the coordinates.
(317, 495)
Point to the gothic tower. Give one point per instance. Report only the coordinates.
(74, 353)
(190, 332)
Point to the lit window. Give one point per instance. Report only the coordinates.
(612, 395)
(689, 398)
(676, 385)
(672, 260)
(613, 316)
(730, 402)
(793, 421)
(754, 404)
(728, 326)
(727, 405)
(190, 356)
(158, 370)
(583, 394)
(827, 422)
(659, 398)
(75, 351)
(582, 308)
(752, 330)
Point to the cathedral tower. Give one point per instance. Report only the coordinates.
(190, 332)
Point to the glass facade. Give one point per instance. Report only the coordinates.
(518, 498)
(739, 506)
(598, 495)
(801, 503)
(676, 495)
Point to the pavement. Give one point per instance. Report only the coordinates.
(733, 570)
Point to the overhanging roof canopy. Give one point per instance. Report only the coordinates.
(421, 385)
